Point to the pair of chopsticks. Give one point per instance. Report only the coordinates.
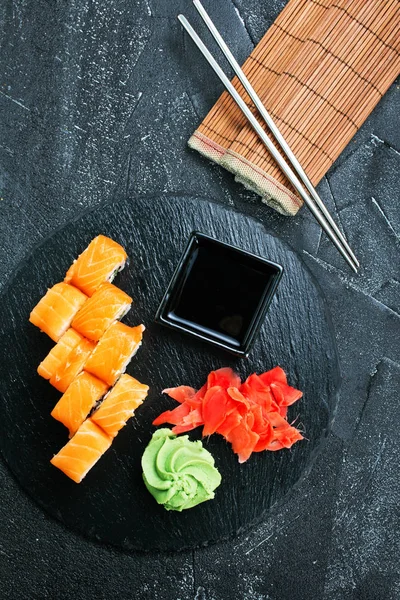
(295, 173)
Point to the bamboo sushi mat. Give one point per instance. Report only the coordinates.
(320, 69)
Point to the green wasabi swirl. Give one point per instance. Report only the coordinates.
(179, 473)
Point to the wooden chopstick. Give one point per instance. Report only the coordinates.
(313, 204)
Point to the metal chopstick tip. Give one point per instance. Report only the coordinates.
(293, 171)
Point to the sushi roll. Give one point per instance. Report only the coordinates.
(82, 452)
(79, 399)
(119, 404)
(54, 312)
(73, 365)
(100, 262)
(108, 304)
(114, 352)
(58, 354)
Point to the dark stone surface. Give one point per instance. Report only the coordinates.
(112, 505)
(364, 510)
(99, 98)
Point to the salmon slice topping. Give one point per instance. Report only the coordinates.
(73, 365)
(101, 260)
(114, 351)
(58, 354)
(120, 404)
(82, 452)
(107, 305)
(79, 399)
(54, 312)
(92, 351)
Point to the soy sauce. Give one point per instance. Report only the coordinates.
(220, 290)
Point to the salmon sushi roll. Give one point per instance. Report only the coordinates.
(114, 352)
(82, 452)
(54, 312)
(100, 262)
(73, 365)
(107, 305)
(120, 404)
(58, 354)
(79, 399)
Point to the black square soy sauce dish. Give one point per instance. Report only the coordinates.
(219, 293)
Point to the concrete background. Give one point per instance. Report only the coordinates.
(99, 98)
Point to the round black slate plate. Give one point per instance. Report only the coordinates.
(112, 504)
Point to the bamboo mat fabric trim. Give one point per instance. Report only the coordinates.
(320, 70)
